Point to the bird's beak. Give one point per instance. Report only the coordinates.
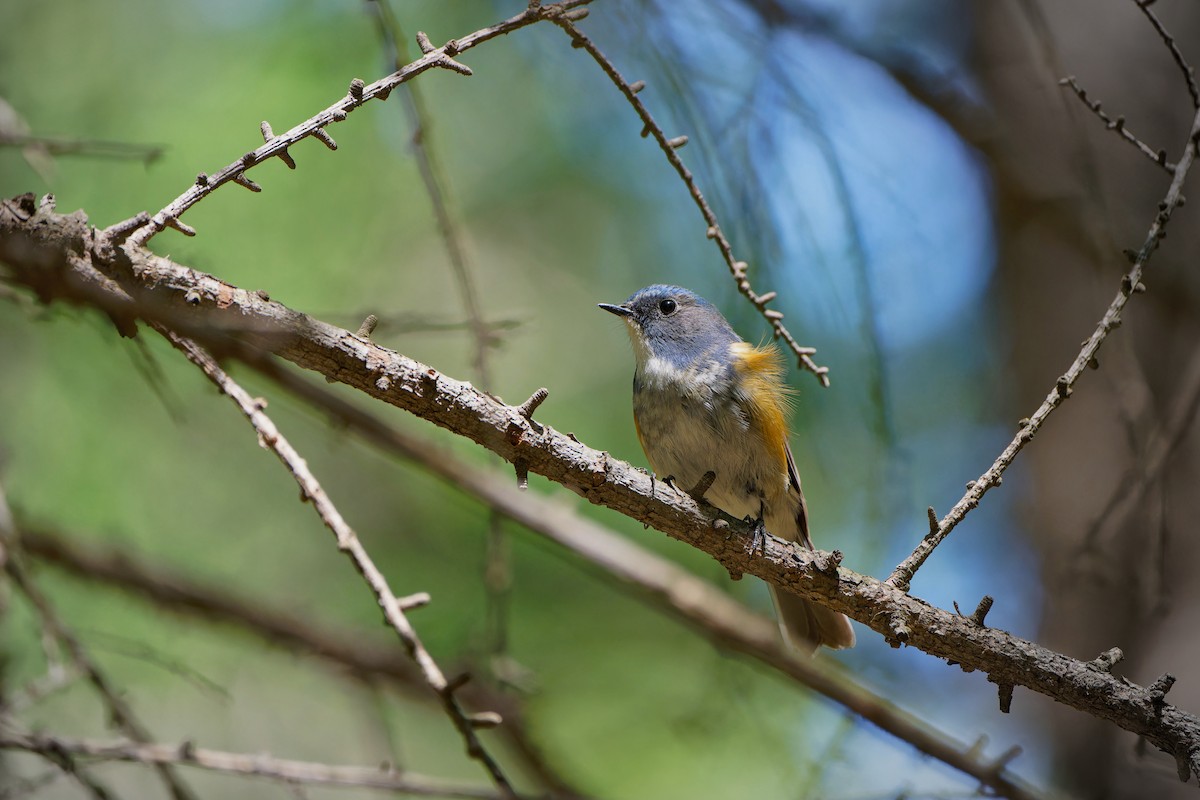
(620, 311)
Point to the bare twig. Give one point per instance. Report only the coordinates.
(87, 148)
(662, 584)
(363, 658)
(276, 145)
(1131, 283)
(57, 254)
(119, 711)
(187, 754)
(1118, 126)
(670, 147)
(1162, 442)
(1189, 74)
(497, 575)
(348, 542)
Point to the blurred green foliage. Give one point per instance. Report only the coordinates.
(629, 704)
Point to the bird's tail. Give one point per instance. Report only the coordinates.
(807, 626)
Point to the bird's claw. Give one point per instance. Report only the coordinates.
(758, 534)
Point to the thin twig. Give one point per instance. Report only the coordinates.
(1131, 283)
(670, 148)
(187, 754)
(1159, 157)
(363, 658)
(276, 146)
(87, 148)
(497, 574)
(664, 585)
(1189, 74)
(348, 542)
(1163, 441)
(59, 255)
(119, 711)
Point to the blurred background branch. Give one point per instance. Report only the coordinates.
(935, 213)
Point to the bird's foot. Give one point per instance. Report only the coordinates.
(758, 534)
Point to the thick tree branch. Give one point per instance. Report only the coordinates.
(62, 258)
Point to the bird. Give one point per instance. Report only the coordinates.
(710, 410)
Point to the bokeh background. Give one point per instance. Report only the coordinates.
(940, 218)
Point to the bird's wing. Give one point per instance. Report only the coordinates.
(802, 509)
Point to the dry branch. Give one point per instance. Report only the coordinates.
(63, 259)
(267, 767)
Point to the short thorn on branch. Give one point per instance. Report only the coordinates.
(1107, 660)
(485, 719)
(1006, 696)
(418, 600)
(241, 180)
(981, 610)
(1158, 691)
(182, 227)
(703, 485)
(118, 231)
(934, 525)
(322, 136)
(1007, 757)
(527, 408)
(368, 326)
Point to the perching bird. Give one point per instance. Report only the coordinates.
(706, 401)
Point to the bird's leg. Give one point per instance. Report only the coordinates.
(758, 534)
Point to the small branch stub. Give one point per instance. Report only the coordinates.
(1158, 691)
(703, 485)
(934, 525)
(981, 611)
(368, 326)
(241, 180)
(527, 408)
(1006, 696)
(1107, 660)
(321, 135)
(485, 719)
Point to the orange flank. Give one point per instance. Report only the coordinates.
(761, 370)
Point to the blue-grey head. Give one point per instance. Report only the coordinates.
(673, 324)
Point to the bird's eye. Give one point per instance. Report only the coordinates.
(667, 307)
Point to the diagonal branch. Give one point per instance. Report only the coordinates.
(670, 149)
(348, 542)
(63, 258)
(283, 770)
(276, 146)
(1131, 283)
(122, 715)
